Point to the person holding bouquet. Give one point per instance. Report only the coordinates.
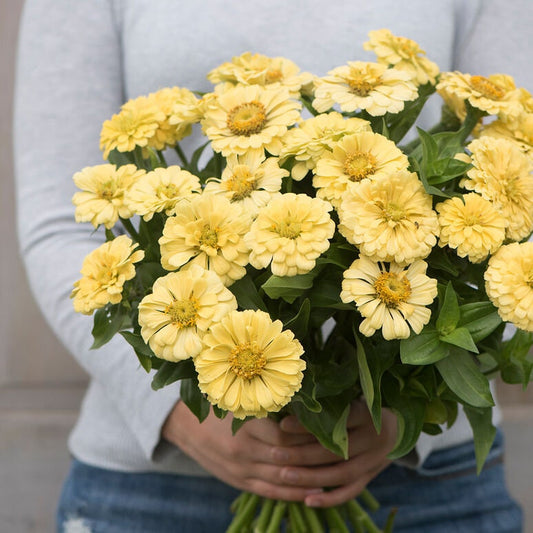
(141, 460)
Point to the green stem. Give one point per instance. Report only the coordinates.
(181, 155)
(312, 519)
(162, 157)
(246, 514)
(237, 502)
(297, 518)
(130, 229)
(277, 517)
(390, 521)
(264, 516)
(369, 500)
(335, 521)
(138, 158)
(359, 515)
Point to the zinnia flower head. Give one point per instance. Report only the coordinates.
(290, 233)
(251, 180)
(135, 125)
(402, 53)
(182, 307)
(249, 117)
(509, 283)
(102, 196)
(160, 190)
(390, 300)
(250, 366)
(472, 225)
(364, 85)
(105, 270)
(308, 142)
(501, 173)
(353, 158)
(389, 219)
(207, 230)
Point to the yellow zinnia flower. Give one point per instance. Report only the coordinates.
(182, 307)
(402, 53)
(248, 117)
(308, 142)
(501, 173)
(471, 225)
(105, 270)
(135, 125)
(521, 132)
(207, 230)
(364, 85)
(509, 283)
(290, 233)
(103, 190)
(160, 190)
(251, 180)
(390, 300)
(258, 69)
(390, 219)
(250, 366)
(355, 157)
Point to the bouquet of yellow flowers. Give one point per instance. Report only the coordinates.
(316, 250)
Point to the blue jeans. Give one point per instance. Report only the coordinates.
(445, 496)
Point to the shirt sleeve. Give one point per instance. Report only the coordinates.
(68, 81)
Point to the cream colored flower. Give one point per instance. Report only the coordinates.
(353, 158)
(135, 125)
(290, 233)
(309, 141)
(390, 219)
(207, 230)
(102, 196)
(249, 117)
(258, 69)
(160, 190)
(181, 309)
(404, 54)
(472, 225)
(105, 270)
(363, 85)
(501, 173)
(251, 180)
(250, 366)
(496, 94)
(390, 300)
(509, 283)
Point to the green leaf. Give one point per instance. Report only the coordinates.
(142, 350)
(288, 288)
(460, 337)
(170, 372)
(299, 324)
(247, 294)
(237, 424)
(194, 399)
(484, 432)
(365, 376)
(449, 313)
(463, 377)
(479, 318)
(517, 360)
(423, 349)
(107, 321)
(439, 260)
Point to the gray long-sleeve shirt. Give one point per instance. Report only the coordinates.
(79, 61)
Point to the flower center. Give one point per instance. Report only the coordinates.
(107, 190)
(359, 165)
(247, 119)
(487, 88)
(183, 313)
(273, 75)
(247, 360)
(170, 190)
(391, 289)
(241, 183)
(289, 229)
(209, 237)
(359, 85)
(393, 212)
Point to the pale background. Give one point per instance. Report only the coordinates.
(41, 386)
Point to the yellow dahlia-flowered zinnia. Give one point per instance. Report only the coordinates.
(250, 180)
(501, 173)
(390, 219)
(353, 158)
(207, 230)
(308, 142)
(160, 190)
(509, 283)
(182, 307)
(402, 53)
(521, 133)
(135, 125)
(472, 225)
(102, 196)
(290, 233)
(364, 85)
(105, 270)
(249, 117)
(250, 366)
(258, 69)
(390, 300)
